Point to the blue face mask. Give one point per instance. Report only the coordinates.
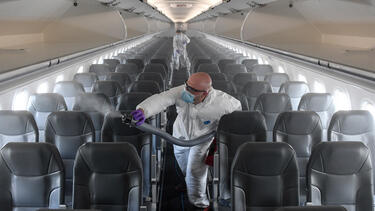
(187, 97)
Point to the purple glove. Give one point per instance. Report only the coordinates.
(138, 116)
(178, 51)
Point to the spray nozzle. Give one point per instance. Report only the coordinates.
(126, 119)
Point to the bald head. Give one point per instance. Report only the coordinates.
(200, 81)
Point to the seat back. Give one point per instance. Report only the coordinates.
(235, 129)
(224, 86)
(223, 62)
(114, 130)
(112, 63)
(152, 76)
(32, 177)
(86, 79)
(160, 61)
(200, 62)
(156, 68)
(276, 79)
(145, 86)
(111, 89)
(17, 126)
(295, 90)
(138, 62)
(340, 173)
(264, 177)
(271, 105)
(251, 91)
(100, 69)
(95, 106)
(303, 131)
(322, 104)
(208, 68)
(68, 130)
(123, 79)
(218, 76)
(354, 125)
(231, 70)
(249, 63)
(107, 176)
(41, 105)
(130, 68)
(241, 79)
(69, 90)
(129, 101)
(261, 70)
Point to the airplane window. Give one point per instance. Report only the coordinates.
(94, 62)
(319, 87)
(281, 69)
(106, 56)
(260, 60)
(110, 55)
(80, 69)
(100, 60)
(59, 78)
(341, 100)
(20, 100)
(266, 62)
(42, 88)
(369, 106)
(302, 78)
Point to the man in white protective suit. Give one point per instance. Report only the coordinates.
(180, 40)
(199, 109)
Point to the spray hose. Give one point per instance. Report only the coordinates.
(128, 119)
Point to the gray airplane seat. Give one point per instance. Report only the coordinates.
(224, 62)
(86, 79)
(235, 129)
(218, 76)
(295, 90)
(17, 126)
(271, 105)
(69, 90)
(41, 105)
(322, 104)
(303, 131)
(156, 68)
(340, 173)
(130, 68)
(353, 125)
(208, 68)
(146, 86)
(107, 177)
(200, 62)
(262, 70)
(224, 86)
(153, 76)
(139, 62)
(96, 106)
(112, 63)
(276, 80)
(251, 91)
(264, 177)
(249, 63)
(68, 130)
(231, 70)
(115, 130)
(111, 89)
(129, 101)
(123, 79)
(100, 70)
(239, 80)
(32, 177)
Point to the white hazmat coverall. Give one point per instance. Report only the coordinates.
(180, 41)
(192, 122)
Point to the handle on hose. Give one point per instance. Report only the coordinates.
(127, 119)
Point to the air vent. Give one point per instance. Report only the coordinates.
(181, 5)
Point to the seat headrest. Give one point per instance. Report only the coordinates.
(111, 62)
(234, 68)
(266, 68)
(316, 102)
(243, 123)
(86, 79)
(150, 76)
(242, 78)
(32, 159)
(137, 61)
(129, 101)
(224, 86)
(72, 123)
(353, 122)
(249, 62)
(117, 126)
(46, 102)
(110, 158)
(68, 88)
(294, 88)
(339, 158)
(208, 68)
(99, 68)
(109, 88)
(90, 102)
(274, 157)
(145, 86)
(290, 122)
(226, 61)
(218, 76)
(119, 77)
(127, 68)
(273, 103)
(17, 122)
(277, 78)
(255, 88)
